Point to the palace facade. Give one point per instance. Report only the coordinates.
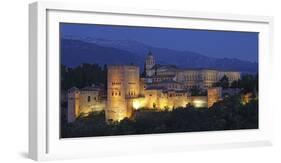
(189, 78)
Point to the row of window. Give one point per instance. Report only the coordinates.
(160, 79)
(89, 99)
(177, 94)
(119, 83)
(198, 77)
(116, 83)
(132, 93)
(172, 95)
(192, 86)
(173, 86)
(116, 93)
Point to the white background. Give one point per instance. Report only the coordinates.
(14, 81)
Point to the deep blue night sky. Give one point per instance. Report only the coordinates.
(220, 44)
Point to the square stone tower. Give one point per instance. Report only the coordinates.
(214, 95)
(73, 104)
(122, 86)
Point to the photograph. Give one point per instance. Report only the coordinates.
(133, 80)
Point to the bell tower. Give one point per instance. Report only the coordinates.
(149, 64)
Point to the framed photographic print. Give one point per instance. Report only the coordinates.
(110, 81)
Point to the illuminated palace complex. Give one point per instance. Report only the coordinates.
(162, 87)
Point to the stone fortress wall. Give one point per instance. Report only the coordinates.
(83, 101)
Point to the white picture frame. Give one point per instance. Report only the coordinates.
(44, 141)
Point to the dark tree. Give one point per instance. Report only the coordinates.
(197, 92)
(223, 82)
(83, 75)
(248, 83)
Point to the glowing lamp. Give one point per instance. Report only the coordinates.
(199, 103)
(136, 105)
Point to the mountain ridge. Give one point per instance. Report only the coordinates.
(134, 52)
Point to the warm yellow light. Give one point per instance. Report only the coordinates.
(136, 104)
(199, 103)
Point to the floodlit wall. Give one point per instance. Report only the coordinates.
(157, 99)
(90, 102)
(83, 102)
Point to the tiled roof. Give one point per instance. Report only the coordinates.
(166, 81)
(158, 66)
(154, 88)
(90, 89)
(163, 76)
